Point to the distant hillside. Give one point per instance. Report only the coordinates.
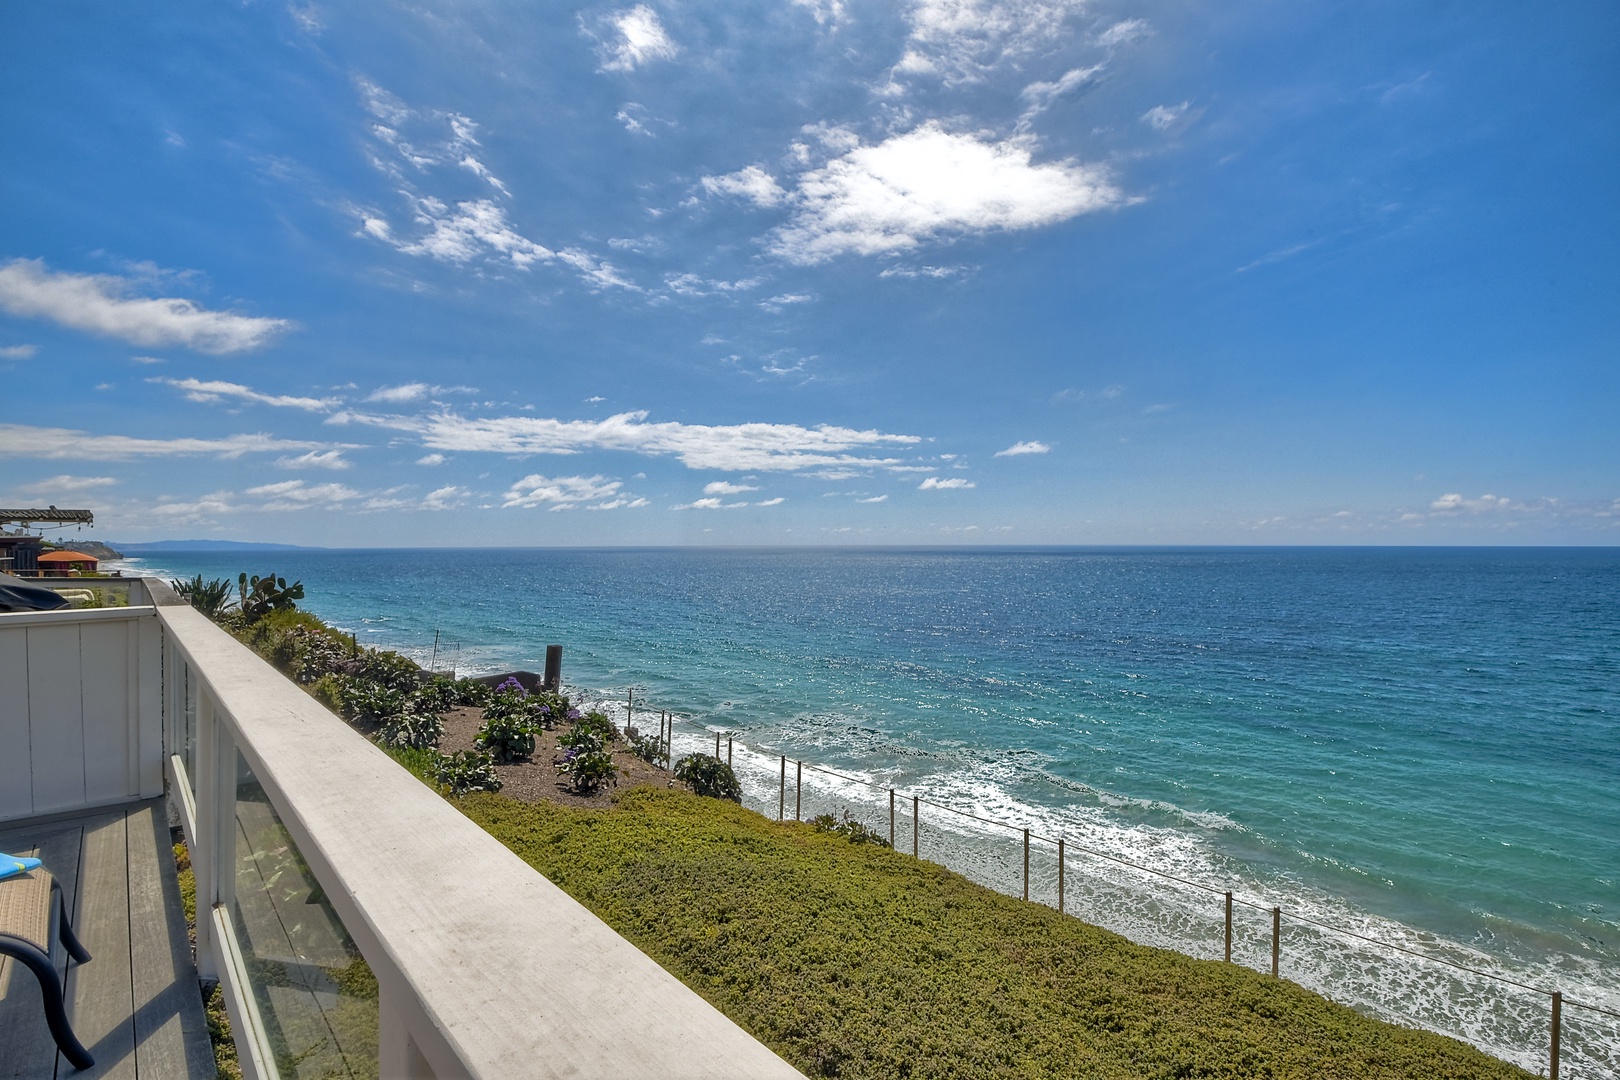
(156, 546)
(94, 548)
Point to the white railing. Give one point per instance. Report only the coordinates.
(315, 851)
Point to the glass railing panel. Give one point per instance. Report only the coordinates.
(315, 994)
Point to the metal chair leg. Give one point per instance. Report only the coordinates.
(70, 940)
(50, 988)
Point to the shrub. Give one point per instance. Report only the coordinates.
(551, 707)
(365, 700)
(597, 724)
(437, 695)
(588, 767)
(467, 771)
(508, 736)
(470, 692)
(387, 668)
(854, 831)
(649, 748)
(212, 598)
(412, 730)
(332, 691)
(708, 775)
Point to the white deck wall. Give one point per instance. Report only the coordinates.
(80, 710)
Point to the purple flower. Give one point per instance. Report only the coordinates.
(545, 710)
(574, 714)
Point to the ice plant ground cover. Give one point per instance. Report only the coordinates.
(852, 960)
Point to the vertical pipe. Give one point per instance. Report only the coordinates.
(1228, 927)
(1557, 1033)
(1026, 864)
(781, 802)
(728, 751)
(717, 744)
(628, 705)
(891, 817)
(798, 791)
(916, 828)
(1060, 875)
(1276, 938)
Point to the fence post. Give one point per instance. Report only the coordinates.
(728, 751)
(717, 744)
(1229, 927)
(798, 791)
(1557, 1025)
(916, 828)
(628, 705)
(1060, 875)
(781, 802)
(891, 818)
(1277, 936)
(1026, 864)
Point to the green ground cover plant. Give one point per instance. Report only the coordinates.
(852, 960)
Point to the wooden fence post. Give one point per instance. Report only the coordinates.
(1276, 938)
(891, 818)
(1557, 1032)
(798, 791)
(1060, 875)
(916, 828)
(717, 745)
(1229, 927)
(781, 802)
(728, 751)
(1026, 865)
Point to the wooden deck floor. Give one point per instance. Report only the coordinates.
(135, 1005)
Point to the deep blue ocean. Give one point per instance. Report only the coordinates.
(1419, 745)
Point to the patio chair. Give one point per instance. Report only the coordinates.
(33, 918)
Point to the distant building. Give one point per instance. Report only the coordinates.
(64, 563)
(20, 554)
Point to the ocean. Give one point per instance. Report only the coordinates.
(1417, 745)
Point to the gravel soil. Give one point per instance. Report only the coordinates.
(537, 780)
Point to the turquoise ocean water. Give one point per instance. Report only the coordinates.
(1418, 745)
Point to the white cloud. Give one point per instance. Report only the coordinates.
(778, 302)
(446, 498)
(824, 11)
(147, 360)
(874, 499)
(959, 41)
(56, 484)
(212, 391)
(633, 37)
(471, 229)
(431, 459)
(730, 448)
(562, 492)
(18, 352)
(1031, 447)
(722, 487)
(1454, 503)
(752, 183)
(1165, 117)
(778, 501)
(930, 183)
(934, 483)
(98, 304)
(398, 394)
(711, 504)
(1041, 95)
(316, 459)
(1123, 33)
(22, 441)
(301, 495)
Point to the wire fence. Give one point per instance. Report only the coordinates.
(1487, 1008)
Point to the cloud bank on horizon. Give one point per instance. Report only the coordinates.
(838, 270)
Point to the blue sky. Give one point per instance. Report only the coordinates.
(825, 271)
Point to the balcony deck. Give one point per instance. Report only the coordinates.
(135, 1006)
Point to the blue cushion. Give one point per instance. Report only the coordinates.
(16, 864)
